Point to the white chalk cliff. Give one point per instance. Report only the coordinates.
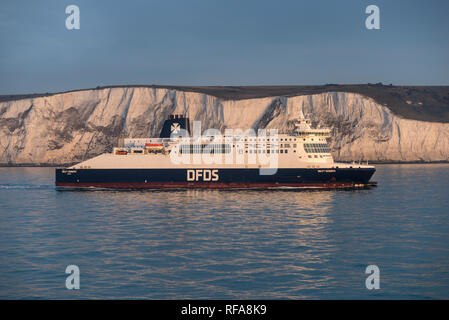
(69, 127)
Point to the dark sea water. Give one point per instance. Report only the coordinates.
(226, 244)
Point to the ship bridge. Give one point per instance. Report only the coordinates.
(303, 128)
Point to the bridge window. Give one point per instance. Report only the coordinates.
(316, 148)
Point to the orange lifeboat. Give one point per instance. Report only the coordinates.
(154, 146)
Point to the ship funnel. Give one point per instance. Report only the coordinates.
(174, 124)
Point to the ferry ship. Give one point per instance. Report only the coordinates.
(303, 160)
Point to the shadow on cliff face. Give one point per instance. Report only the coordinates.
(345, 131)
(276, 107)
(66, 123)
(70, 123)
(12, 124)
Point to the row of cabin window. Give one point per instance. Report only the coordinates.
(277, 139)
(281, 139)
(283, 145)
(205, 148)
(212, 151)
(268, 151)
(195, 149)
(315, 133)
(316, 156)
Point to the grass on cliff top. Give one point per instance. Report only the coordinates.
(426, 103)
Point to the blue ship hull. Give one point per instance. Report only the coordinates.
(213, 178)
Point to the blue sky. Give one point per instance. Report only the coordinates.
(220, 42)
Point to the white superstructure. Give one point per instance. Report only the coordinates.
(306, 147)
